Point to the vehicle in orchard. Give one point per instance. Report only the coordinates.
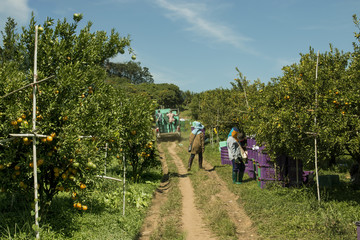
(167, 122)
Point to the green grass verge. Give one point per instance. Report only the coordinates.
(103, 220)
(295, 213)
(278, 212)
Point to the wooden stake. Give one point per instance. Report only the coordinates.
(315, 139)
(34, 139)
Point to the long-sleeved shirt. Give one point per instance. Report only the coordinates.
(233, 148)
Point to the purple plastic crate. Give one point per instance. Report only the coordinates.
(251, 142)
(226, 162)
(264, 160)
(250, 164)
(358, 229)
(307, 176)
(251, 154)
(225, 156)
(251, 174)
(268, 173)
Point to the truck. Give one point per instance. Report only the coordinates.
(167, 122)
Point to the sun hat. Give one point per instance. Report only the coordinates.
(197, 125)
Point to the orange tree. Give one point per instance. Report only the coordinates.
(283, 117)
(135, 136)
(219, 108)
(73, 104)
(347, 95)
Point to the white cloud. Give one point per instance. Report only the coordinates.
(193, 14)
(17, 9)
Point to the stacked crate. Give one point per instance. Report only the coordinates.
(283, 170)
(290, 170)
(224, 153)
(250, 167)
(266, 171)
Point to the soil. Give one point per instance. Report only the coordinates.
(193, 225)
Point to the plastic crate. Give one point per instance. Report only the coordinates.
(251, 153)
(225, 156)
(222, 144)
(264, 160)
(308, 177)
(328, 181)
(251, 174)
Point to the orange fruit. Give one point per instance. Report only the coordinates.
(78, 205)
(82, 186)
(49, 138)
(17, 167)
(84, 207)
(40, 162)
(23, 116)
(19, 120)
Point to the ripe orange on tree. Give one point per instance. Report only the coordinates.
(40, 162)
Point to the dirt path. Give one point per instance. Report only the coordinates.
(193, 224)
(244, 228)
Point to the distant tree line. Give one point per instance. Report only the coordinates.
(134, 78)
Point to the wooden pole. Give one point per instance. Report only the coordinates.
(106, 149)
(124, 188)
(34, 139)
(315, 123)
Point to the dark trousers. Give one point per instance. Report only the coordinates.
(238, 166)
(192, 156)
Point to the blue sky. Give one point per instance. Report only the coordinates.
(196, 44)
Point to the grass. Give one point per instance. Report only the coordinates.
(103, 220)
(295, 213)
(278, 212)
